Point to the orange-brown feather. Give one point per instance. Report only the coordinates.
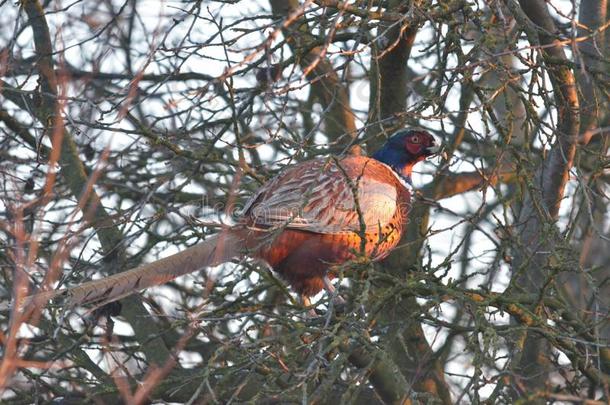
(310, 217)
(307, 219)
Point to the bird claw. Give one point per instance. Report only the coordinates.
(311, 311)
(337, 304)
(337, 300)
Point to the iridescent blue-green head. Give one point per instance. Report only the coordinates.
(405, 148)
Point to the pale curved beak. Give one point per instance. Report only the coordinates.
(437, 148)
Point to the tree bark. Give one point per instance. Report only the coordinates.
(333, 95)
(536, 232)
(50, 115)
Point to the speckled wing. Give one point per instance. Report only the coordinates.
(327, 196)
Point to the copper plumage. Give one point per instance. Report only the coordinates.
(310, 217)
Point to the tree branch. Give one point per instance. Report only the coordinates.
(541, 205)
(333, 95)
(49, 114)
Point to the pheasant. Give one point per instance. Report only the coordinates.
(314, 215)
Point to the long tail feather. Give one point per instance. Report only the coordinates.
(216, 250)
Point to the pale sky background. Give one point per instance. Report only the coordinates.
(154, 14)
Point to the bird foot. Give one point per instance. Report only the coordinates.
(338, 302)
(339, 306)
(311, 311)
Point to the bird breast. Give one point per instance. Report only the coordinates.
(330, 196)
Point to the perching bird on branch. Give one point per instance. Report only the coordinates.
(312, 216)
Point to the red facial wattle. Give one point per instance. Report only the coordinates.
(414, 148)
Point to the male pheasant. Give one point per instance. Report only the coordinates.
(313, 215)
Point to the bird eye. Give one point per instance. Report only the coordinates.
(415, 139)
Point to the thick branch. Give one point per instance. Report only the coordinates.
(389, 76)
(552, 177)
(387, 380)
(326, 83)
(545, 192)
(450, 184)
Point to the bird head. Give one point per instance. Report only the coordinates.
(405, 148)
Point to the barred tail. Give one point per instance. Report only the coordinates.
(216, 250)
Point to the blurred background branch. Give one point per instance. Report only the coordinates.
(129, 132)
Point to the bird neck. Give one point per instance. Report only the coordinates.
(399, 162)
